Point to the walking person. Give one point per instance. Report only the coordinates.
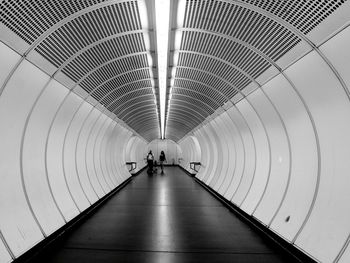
(150, 159)
(162, 159)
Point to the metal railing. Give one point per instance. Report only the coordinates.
(133, 165)
(194, 165)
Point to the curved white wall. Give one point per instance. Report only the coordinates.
(190, 152)
(134, 153)
(281, 153)
(59, 155)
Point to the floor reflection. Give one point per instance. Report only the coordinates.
(167, 218)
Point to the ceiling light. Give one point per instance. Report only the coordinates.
(181, 13)
(162, 23)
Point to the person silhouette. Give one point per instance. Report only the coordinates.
(150, 159)
(162, 159)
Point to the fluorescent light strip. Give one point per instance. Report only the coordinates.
(178, 36)
(146, 37)
(162, 21)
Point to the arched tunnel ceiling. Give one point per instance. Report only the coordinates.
(217, 50)
(224, 47)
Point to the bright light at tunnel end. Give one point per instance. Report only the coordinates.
(162, 23)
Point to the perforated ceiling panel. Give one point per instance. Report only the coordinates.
(227, 45)
(101, 46)
(29, 19)
(304, 15)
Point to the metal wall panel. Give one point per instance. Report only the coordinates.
(303, 157)
(5, 256)
(236, 161)
(97, 152)
(216, 154)
(84, 146)
(73, 112)
(224, 156)
(191, 151)
(47, 194)
(262, 148)
(241, 190)
(279, 161)
(20, 227)
(329, 104)
(93, 125)
(11, 58)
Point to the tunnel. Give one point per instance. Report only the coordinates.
(249, 100)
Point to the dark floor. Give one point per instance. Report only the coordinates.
(164, 218)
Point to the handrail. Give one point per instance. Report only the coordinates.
(133, 165)
(193, 166)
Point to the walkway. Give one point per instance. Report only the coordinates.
(164, 218)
